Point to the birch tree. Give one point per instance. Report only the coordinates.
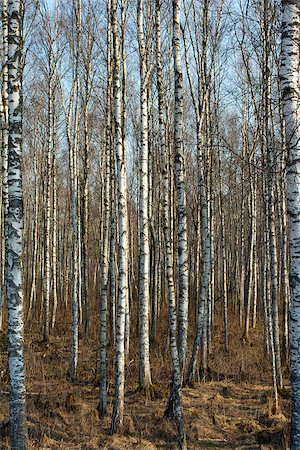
(268, 143)
(105, 246)
(4, 149)
(118, 408)
(50, 92)
(182, 243)
(18, 427)
(144, 275)
(87, 54)
(174, 407)
(72, 119)
(291, 103)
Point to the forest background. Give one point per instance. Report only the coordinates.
(156, 240)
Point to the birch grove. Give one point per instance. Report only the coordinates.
(149, 223)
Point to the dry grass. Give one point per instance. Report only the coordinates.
(231, 410)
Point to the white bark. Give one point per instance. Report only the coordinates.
(118, 408)
(73, 156)
(203, 235)
(285, 263)
(182, 248)
(85, 193)
(174, 407)
(48, 197)
(18, 427)
(104, 283)
(291, 102)
(54, 229)
(144, 257)
(224, 264)
(124, 145)
(112, 254)
(4, 150)
(268, 300)
(106, 219)
(252, 259)
(270, 184)
(274, 289)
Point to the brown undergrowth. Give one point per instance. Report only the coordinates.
(232, 409)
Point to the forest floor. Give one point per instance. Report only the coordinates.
(232, 410)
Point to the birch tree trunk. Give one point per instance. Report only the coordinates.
(252, 249)
(4, 150)
(73, 162)
(124, 145)
(270, 187)
(144, 257)
(17, 421)
(104, 285)
(112, 254)
(285, 263)
(224, 261)
(203, 236)
(174, 408)
(87, 56)
(105, 244)
(32, 297)
(118, 408)
(48, 197)
(54, 221)
(112, 176)
(182, 248)
(291, 102)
